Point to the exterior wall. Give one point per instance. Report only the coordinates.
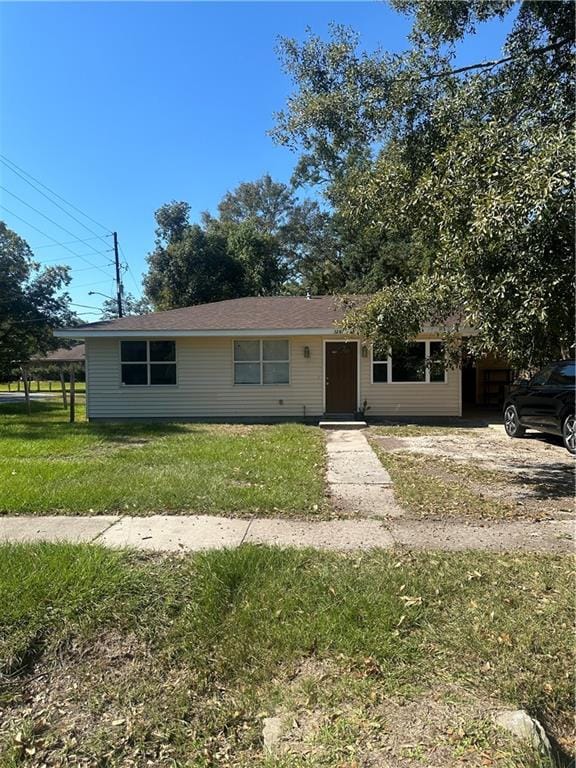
(205, 386)
(411, 398)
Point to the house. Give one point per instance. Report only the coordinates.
(63, 356)
(256, 359)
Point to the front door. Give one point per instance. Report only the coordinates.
(341, 376)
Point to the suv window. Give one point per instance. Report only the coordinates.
(563, 374)
(542, 377)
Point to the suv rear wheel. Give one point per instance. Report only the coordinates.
(512, 423)
(569, 433)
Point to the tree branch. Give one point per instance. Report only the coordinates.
(495, 63)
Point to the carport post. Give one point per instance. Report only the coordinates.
(63, 383)
(72, 395)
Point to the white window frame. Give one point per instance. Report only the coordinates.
(261, 362)
(390, 364)
(148, 363)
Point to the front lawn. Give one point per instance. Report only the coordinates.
(50, 466)
(118, 659)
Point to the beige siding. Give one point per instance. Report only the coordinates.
(206, 390)
(205, 387)
(411, 398)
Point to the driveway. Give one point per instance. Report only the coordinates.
(534, 475)
(17, 397)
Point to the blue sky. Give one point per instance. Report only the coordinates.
(121, 107)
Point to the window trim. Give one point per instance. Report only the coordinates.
(148, 363)
(390, 364)
(261, 362)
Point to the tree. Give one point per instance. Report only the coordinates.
(189, 265)
(296, 233)
(32, 303)
(257, 253)
(130, 306)
(247, 250)
(268, 203)
(468, 171)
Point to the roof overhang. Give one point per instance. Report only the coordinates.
(71, 333)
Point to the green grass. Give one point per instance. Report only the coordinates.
(45, 386)
(50, 466)
(111, 657)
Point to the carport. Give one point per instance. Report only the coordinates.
(66, 360)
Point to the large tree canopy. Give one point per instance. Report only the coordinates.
(189, 265)
(262, 242)
(32, 302)
(297, 233)
(467, 172)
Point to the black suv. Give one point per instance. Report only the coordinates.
(545, 403)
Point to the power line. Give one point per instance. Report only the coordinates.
(43, 320)
(35, 187)
(32, 208)
(58, 261)
(89, 285)
(69, 242)
(129, 270)
(74, 270)
(85, 306)
(53, 239)
(44, 186)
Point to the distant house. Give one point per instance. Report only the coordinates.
(61, 356)
(251, 359)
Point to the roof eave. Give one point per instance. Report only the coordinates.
(78, 333)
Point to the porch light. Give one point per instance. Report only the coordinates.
(306, 351)
(364, 350)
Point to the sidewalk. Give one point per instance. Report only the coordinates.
(357, 482)
(195, 533)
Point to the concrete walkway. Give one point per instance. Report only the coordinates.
(202, 532)
(357, 481)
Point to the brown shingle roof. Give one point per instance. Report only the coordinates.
(62, 355)
(253, 313)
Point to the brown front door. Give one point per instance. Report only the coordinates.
(341, 376)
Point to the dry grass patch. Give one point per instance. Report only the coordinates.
(478, 474)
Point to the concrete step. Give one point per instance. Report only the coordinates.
(342, 424)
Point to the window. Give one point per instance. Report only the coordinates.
(563, 375)
(541, 377)
(418, 361)
(437, 361)
(409, 363)
(379, 367)
(261, 362)
(148, 362)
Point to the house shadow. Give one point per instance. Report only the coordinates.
(41, 425)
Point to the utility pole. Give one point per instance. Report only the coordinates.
(118, 280)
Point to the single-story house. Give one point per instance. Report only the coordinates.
(63, 356)
(261, 358)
